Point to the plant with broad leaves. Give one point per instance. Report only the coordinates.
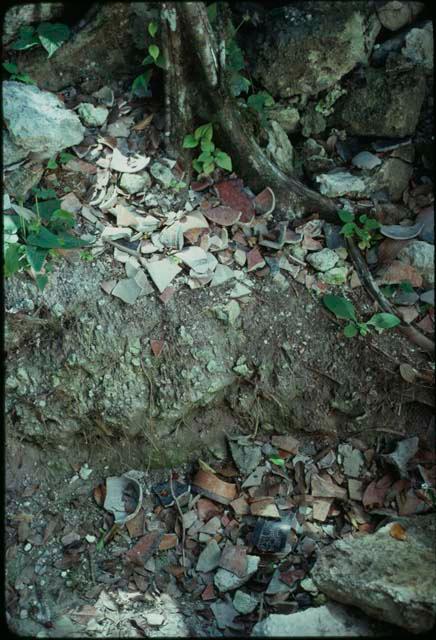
(50, 35)
(363, 230)
(259, 102)
(140, 85)
(210, 155)
(12, 68)
(64, 157)
(344, 309)
(31, 236)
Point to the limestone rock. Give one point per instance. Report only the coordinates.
(133, 182)
(328, 620)
(279, 147)
(25, 14)
(420, 255)
(400, 573)
(323, 260)
(393, 177)
(386, 105)
(295, 57)
(244, 602)
(227, 581)
(92, 116)
(397, 14)
(18, 183)
(288, 118)
(339, 183)
(12, 153)
(419, 47)
(366, 160)
(38, 121)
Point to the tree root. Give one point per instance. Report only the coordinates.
(373, 290)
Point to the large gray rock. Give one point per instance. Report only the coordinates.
(393, 177)
(387, 104)
(339, 183)
(298, 58)
(331, 620)
(396, 14)
(288, 118)
(387, 578)
(72, 65)
(12, 153)
(420, 255)
(419, 47)
(38, 121)
(26, 14)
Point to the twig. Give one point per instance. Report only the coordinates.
(91, 566)
(373, 290)
(181, 521)
(122, 248)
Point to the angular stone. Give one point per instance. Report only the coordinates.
(331, 620)
(162, 174)
(323, 260)
(128, 290)
(396, 14)
(244, 602)
(326, 488)
(162, 272)
(38, 121)
(12, 152)
(401, 573)
(227, 581)
(247, 458)
(234, 559)
(419, 47)
(222, 274)
(392, 177)
(366, 160)
(279, 147)
(340, 183)
(209, 558)
(420, 255)
(288, 118)
(133, 183)
(386, 105)
(92, 116)
(287, 443)
(335, 276)
(352, 460)
(19, 182)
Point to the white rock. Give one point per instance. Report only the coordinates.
(133, 183)
(222, 274)
(162, 272)
(366, 160)
(339, 183)
(323, 260)
(92, 116)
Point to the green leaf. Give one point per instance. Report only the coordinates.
(44, 239)
(371, 224)
(52, 35)
(12, 257)
(44, 194)
(350, 330)
(256, 101)
(234, 56)
(212, 12)
(52, 164)
(36, 257)
(208, 167)
(10, 67)
(363, 328)
(346, 216)
(406, 286)
(161, 62)
(223, 160)
(363, 218)
(140, 84)
(147, 60)
(197, 165)
(61, 219)
(205, 157)
(277, 460)
(205, 131)
(206, 145)
(189, 142)
(382, 321)
(152, 29)
(23, 77)
(27, 38)
(154, 51)
(46, 208)
(41, 281)
(341, 307)
(65, 157)
(238, 84)
(348, 229)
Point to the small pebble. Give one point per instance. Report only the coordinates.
(27, 547)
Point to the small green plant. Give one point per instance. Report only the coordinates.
(140, 85)
(63, 158)
(260, 101)
(344, 309)
(277, 460)
(210, 155)
(50, 35)
(31, 236)
(12, 68)
(86, 256)
(363, 229)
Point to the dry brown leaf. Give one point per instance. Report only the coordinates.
(143, 124)
(398, 532)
